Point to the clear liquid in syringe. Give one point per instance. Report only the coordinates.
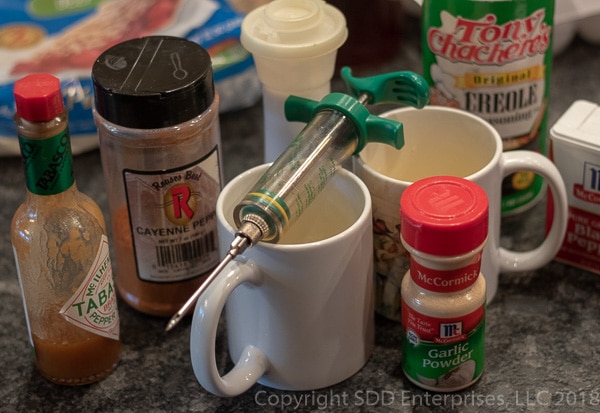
(293, 182)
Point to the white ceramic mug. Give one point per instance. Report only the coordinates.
(299, 315)
(447, 141)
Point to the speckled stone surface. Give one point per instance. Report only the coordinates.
(543, 327)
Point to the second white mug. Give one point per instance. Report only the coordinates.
(448, 141)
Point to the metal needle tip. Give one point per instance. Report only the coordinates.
(238, 246)
(173, 322)
(192, 300)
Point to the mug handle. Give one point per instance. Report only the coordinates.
(519, 160)
(252, 363)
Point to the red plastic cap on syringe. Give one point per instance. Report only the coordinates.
(38, 97)
(444, 215)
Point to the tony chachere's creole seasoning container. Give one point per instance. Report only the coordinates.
(157, 116)
(444, 227)
(493, 59)
(61, 248)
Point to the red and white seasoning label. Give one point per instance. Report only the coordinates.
(440, 330)
(445, 281)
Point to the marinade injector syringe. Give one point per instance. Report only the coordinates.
(338, 126)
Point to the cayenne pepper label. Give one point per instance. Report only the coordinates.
(173, 220)
(94, 306)
(493, 59)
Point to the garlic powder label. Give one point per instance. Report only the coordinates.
(443, 354)
(94, 306)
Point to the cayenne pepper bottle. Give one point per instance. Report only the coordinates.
(157, 117)
(444, 226)
(61, 249)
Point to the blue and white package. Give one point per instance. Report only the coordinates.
(65, 38)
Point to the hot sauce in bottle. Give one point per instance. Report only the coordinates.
(60, 246)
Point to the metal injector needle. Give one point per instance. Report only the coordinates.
(247, 236)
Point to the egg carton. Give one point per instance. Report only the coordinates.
(575, 17)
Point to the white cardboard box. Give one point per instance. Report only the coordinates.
(575, 150)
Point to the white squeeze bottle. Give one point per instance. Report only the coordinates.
(294, 44)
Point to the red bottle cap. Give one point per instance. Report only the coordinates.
(444, 215)
(38, 97)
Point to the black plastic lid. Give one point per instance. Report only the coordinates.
(153, 82)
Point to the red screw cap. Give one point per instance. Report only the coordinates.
(444, 215)
(38, 97)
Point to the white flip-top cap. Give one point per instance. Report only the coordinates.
(294, 44)
(579, 125)
(293, 29)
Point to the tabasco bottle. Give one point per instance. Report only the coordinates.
(60, 246)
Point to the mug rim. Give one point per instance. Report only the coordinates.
(365, 213)
(475, 176)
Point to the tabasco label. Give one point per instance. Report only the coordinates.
(93, 307)
(493, 59)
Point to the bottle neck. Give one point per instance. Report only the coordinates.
(46, 152)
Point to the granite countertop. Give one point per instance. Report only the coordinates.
(543, 336)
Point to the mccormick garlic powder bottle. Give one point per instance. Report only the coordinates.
(444, 227)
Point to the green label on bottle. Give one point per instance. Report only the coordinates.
(443, 354)
(48, 164)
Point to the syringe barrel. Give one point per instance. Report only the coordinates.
(300, 173)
